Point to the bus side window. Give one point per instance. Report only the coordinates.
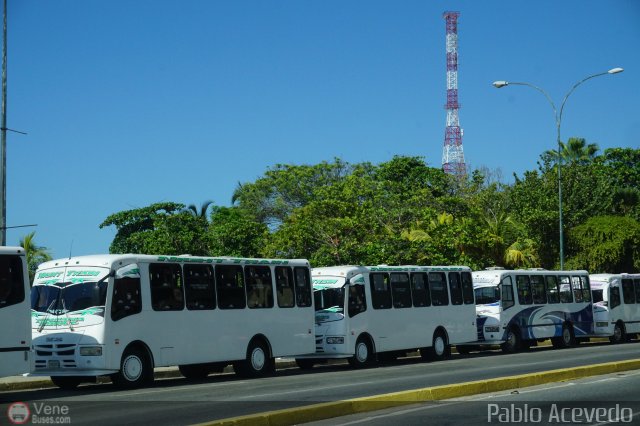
(420, 290)
(357, 300)
(166, 287)
(467, 289)
(400, 290)
(614, 297)
(284, 287)
(438, 289)
(380, 290)
(552, 289)
(576, 286)
(636, 283)
(586, 289)
(524, 289)
(230, 287)
(565, 290)
(538, 290)
(11, 281)
(199, 287)
(628, 293)
(506, 293)
(303, 286)
(455, 286)
(126, 298)
(259, 286)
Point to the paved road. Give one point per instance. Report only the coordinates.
(598, 400)
(177, 401)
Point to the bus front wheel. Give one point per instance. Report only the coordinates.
(512, 343)
(363, 356)
(135, 370)
(618, 334)
(257, 362)
(565, 340)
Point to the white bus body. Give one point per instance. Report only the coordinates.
(365, 311)
(516, 308)
(123, 315)
(616, 307)
(15, 339)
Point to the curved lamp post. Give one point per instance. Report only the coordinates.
(558, 117)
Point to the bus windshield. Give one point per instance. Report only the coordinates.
(487, 295)
(328, 298)
(66, 297)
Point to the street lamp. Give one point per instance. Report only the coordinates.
(558, 117)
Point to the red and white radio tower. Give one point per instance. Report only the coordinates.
(452, 154)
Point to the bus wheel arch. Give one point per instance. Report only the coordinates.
(619, 333)
(136, 367)
(364, 352)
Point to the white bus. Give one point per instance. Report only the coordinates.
(517, 308)
(15, 339)
(123, 315)
(616, 309)
(363, 312)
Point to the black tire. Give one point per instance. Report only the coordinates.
(439, 349)
(305, 364)
(257, 363)
(135, 370)
(619, 335)
(566, 339)
(194, 371)
(363, 355)
(513, 343)
(66, 382)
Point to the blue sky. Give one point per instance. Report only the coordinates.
(127, 103)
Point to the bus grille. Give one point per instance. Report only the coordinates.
(319, 345)
(62, 352)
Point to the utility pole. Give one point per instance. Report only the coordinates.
(3, 132)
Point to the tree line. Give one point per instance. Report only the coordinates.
(404, 212)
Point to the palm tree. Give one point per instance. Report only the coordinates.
(35, 254)
(575, 150)
(203, 209)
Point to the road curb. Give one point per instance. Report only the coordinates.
(328, 410)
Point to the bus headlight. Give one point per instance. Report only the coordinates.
(492, 329)
(335, 340)
(91, 350)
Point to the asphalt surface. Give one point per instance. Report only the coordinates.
(176, 401)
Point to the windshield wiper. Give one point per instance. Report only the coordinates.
(66, 313)
(47, 312)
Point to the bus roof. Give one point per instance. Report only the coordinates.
(494, 276)
(11, 250)
(107, 260)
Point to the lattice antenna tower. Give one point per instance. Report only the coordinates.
(452, 153)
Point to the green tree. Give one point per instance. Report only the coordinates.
(161, 228)
(232, 232)
(35, 254)
(576, 150)
(606, 244)
(202, 211)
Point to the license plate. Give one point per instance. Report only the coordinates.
(53, 363)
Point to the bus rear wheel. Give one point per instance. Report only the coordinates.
(135, 370)
(66, 382)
